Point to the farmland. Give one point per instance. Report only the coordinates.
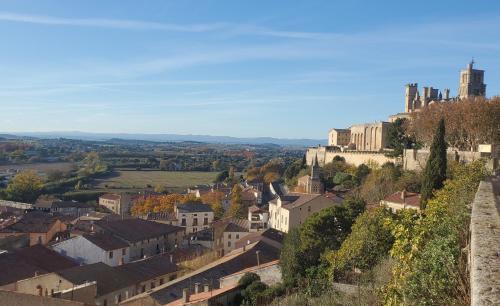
(147, 179)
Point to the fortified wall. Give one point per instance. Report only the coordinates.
(326, 155)
(412, 159)
(484, 256)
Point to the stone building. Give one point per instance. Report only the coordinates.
(194, 216)
(311, 183)
(370, 136)
(471, 82)
(119, 203)
(291, 210)
(339, 137)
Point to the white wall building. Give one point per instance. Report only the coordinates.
(93, 248)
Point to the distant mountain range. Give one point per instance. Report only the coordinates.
(169, 138)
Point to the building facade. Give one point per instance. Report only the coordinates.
(311, 183)
(93, 248)
(370, 136)
(292, 210)
(339, 137)
(194, 217)
(471, 82)
(118, 203)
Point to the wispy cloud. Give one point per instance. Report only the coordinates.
(109, 23)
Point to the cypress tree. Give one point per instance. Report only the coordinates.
(435, 169)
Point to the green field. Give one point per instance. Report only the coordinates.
(141, 179)
(41, 167)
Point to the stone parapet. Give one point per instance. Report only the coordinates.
(485, 245)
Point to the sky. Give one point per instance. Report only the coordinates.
(288, 69)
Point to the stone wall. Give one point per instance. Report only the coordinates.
(326, 155)
(416, 159)
(485, 245)
(412, 159)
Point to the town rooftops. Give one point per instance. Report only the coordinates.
(106, 241)
(69, 204)
(25, 263)
(194, 207)
(134, 230)
(108, 278)
(235, 261)
(294, 200)
(33, 222)
(17, 298)
(404, 198)
(270, 235)
(231, 225)
(110, 196)
(149, 268)
(195, 299)
(161, 216)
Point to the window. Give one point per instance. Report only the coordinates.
(195, 221)
(124, 252)
(309, 208)
(161, 281)
(229, 243)
(152, 285)
(183, 222)
(110, 254)
(143, 289)
(229, 236)
(119, 298)
(195, 229)
(237, 236)
(105, 302)
(205, 221)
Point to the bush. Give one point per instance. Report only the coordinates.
(247, 279)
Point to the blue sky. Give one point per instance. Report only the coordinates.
(240, 68)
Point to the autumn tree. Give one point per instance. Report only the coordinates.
(236, 209)
(25, 187)
(214, 199)
(158, 203)
(469, 122)
(435, 170)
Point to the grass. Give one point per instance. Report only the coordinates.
(141, 179)
(40, 167)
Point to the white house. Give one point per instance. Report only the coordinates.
(93, 248)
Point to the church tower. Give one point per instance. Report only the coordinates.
(471, 82)
(314, 184)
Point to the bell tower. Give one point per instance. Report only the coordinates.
(471, 82)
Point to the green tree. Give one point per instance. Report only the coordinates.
(25, 187)
(221, 176)
(369, 241)
(236, 209)
(291, 258)
(435, 169)
(398, 138)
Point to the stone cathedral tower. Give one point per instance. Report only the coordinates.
(471, 82)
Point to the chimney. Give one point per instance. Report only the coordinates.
(185, 295)
(171, 258)
(258, 258)
(403, 195)
(206, 288)
(37, 273)
(196, 288)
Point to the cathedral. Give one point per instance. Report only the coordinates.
(471, 85)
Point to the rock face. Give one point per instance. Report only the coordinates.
(485, 245)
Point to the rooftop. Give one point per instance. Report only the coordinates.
(33, 222)
(134, 230)
(24, 263)
(106, 241)
(109, 279)
(149, 268)
(194, 207)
